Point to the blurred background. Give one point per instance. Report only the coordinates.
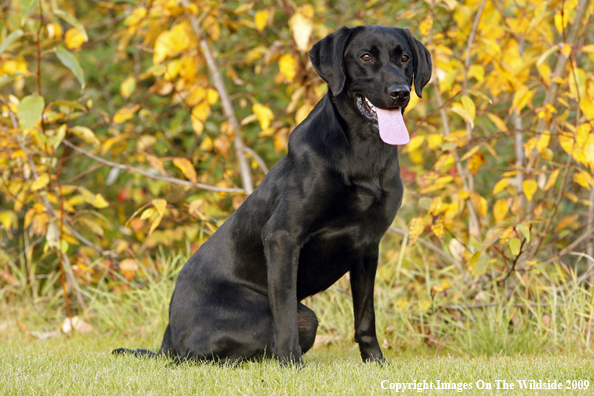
(130, 130)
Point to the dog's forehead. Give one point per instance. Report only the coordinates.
(381, 37)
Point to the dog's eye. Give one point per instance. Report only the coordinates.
(404, 58)
(366, 57)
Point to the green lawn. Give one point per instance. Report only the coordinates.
(83, 365)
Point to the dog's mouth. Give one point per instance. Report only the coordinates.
(389, 121)
(367, 108)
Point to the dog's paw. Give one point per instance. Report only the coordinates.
(374, 357)
(291, 362)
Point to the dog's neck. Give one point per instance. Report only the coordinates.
(365, 156)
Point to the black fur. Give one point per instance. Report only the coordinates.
(320, 212)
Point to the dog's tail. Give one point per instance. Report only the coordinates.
(135, 352)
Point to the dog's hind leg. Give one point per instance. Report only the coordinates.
(167, 349)
(307, 324)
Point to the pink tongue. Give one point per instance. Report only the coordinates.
(391, 126)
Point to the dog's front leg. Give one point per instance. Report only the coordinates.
(362, 285)
(282, 257)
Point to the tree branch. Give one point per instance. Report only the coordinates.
(132, 169)
(219, 84)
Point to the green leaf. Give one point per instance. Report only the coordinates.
(30, 110)
(69, 103)
(479, 263)
(10, 39)
(71, 62)
(26, 8)
(69, 18)
(514, 246)
(524, 230)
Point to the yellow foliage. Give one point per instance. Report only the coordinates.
(125, 113)
(529, 187)
(187, 168)
(415, 229)
(302, 27)
(74, 39)
(288, 66)
(265, 115)
(500, 209)
(261, 19)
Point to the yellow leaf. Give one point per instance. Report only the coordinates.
(160, 204)
(201, 111)
(128, 268)
(187, 168)
(212, 27)
(468, 105)
(529, 187)
(587, 107)
(42, 181)
(475, 163)
(470, 153)
(437, 226)
(415, 143)
(134, 19)
(566, 221)
(302, 113)
(498, 122)
(163, 47)
(589, 150)
(415, 228)
(128, 87)
(552, 180)
(543, 141)
(521, 98)
(98, 201)
(436, 205)
(147, 214)
(479, 203)
(500, 209)
(566, 142)
(434, 140)
(197, 95)
(583, 179)
(85, 134)
(572, 197)
(501, 184)
(451, 211)
(426, 25)
(125, 113)
(461, 111)
(265, 115)
(261, 19)
(288, 66)
(155, 224)
(302, 28)
(74, 39)
(212, 96)
(157, 164)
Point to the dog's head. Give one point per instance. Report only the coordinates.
(375, 66)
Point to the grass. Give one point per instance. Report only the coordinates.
(82, 365)
(512, 339)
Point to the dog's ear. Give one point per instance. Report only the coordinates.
(421, 62)
(327, 58)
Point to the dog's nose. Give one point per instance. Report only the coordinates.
(399, 92)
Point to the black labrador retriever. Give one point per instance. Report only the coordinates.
(320, 212)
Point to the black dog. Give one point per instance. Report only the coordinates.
(320, 212)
